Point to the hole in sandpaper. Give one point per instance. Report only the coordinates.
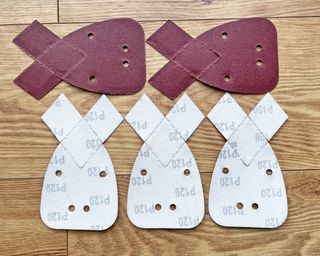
(269, 172)
(86, 208)
(227, 78)
(186, 172)
(102, 174)
(259, 63)
(71, 208)
(173, 207)
(224, 35)
(157, 207)
(125, 63)
(225, 170)
(258, 48)
(255, 206)
(240, 205)
(58, 173)
(92, 79)
(90, 36)
(144, 172)
(125, 48)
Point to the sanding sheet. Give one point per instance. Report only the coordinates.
(239, 56)
(80, 190)
(106, 57)
(165, 189)
(247, 187)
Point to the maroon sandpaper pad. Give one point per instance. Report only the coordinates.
(106, 57)
(240, 56)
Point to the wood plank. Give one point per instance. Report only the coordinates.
(82, 10)
(22, 12)
(300, 235)
(22, 231)
(26, 145)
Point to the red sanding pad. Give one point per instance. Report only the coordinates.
(106, 57)
(240, 56)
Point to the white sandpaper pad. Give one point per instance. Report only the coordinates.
(165, 189)
(247, 187)
(80, 189)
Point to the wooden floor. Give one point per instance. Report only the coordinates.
(26, 144)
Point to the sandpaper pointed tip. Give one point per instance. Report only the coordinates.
(149, 39)
(168, 39)
(146, 100)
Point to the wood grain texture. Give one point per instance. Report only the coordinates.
(26, 141)
(82, 10)
(22, 231)
(300, 234)
(26, 144)
(21, 12)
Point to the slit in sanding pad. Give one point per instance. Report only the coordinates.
(240, 56)
(105, 57)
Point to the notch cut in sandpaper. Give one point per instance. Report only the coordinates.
(240, 56)
(105, 57)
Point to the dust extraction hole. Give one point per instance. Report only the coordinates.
(225, 170)
(224, 35)
(58, 173)
(269, 172)
(227, 78)
(125, 48)
(239, 205)
(92, 79)
(71, 208)
(86, 208)
(186, 172)
(255, 206)
(258, 48)
(144, 172)
(259, 63)
(157, 207)
(90, 36)
(102, 174)
(125, 63)
(173, 207)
